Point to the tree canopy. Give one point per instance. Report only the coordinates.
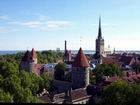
(121, 93)
(106, 70)
(20, 87)
(59, 71)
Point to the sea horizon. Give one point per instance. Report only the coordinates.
(4, 52)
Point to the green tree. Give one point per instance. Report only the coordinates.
(106, 70)
(8, 68)
(68, 77)
(47, 81)
(11, 84)
(121, 93)
(59, 71)
(92, 78)
(5, 97)
(35, 83)
(18, 87)
(25, 79)
(1, 80)
(24, 96)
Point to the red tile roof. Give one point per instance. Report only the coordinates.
(126, 59)
(131, 78)
(110, 60)
(80, 60)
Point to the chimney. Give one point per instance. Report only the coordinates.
(65, 45)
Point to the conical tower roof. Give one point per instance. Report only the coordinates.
(33, 54)
(26, 56)
(80, 60)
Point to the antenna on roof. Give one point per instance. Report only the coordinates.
(80, 41)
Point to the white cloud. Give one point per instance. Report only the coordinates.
(14, 23)
(32, 24)
(43, 25)
(4, 17)
(58, 24)
(7, 30)
(46, 25)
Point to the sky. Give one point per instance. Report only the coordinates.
(46, 24)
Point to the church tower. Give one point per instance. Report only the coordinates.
(80, 71)
(100, 41)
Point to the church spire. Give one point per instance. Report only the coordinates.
(99, 30)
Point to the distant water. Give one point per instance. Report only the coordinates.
(85, 52)
(9, 52)
(73, 52)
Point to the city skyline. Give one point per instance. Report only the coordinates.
(46, 24)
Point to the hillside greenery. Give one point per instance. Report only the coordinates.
(21, 86)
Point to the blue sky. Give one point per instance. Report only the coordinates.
(45, 24)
